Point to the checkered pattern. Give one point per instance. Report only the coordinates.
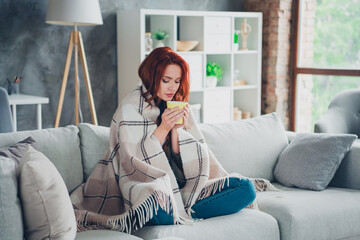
(134, 177)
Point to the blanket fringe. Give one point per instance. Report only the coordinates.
(140, 215)
(212, 189)
(262, 185)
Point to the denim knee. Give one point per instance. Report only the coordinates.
(247, 186)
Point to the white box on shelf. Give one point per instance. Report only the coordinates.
(195, 62)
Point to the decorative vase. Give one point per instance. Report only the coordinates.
(160, 43)
(211, 81)
(13, 88)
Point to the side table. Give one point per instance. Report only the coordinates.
(22, 99)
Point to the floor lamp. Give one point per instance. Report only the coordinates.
(75, 13)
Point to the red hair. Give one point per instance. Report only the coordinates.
(152, 69)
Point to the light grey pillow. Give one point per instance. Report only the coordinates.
(311, 159)
(94, 144)
(249, 147)
(47, 208)
(16, 151)
(11, 223)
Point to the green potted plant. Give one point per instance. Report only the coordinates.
(236, 39)
(213, 74)
(160, 35)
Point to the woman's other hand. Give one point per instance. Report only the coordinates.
(186, 115)
(171, 116)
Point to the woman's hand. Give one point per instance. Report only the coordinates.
(174, 132)
(186, 115)
(171, 116)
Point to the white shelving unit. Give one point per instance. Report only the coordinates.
(215, 32)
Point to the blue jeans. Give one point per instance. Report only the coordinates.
(238, 195)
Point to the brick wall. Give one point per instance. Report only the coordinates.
(276, 72)
(276, 54)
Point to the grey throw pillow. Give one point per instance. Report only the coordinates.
(311, 159)
(11, 224)
(16, 151)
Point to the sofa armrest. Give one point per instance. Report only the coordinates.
(347, 176)
(343, 119)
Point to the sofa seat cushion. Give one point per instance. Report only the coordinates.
(104, 234)
(303, 214)
(246, 224)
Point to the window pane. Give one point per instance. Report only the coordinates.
(330, 34)
(315, 93)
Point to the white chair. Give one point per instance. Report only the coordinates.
(6, 122)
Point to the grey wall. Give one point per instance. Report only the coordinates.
(37, 51)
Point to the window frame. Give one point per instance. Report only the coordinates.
(296, 69)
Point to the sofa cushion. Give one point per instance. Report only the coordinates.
(94, 144)
(60, 145)
(15, 152)
(311, 159)
(47, 208)
(250, 147)
(347, 176)
(247, 223)
(104, 234)
(11, 224)
(303, 214)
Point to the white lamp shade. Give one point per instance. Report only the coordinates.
(74, 12)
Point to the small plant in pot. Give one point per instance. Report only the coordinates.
(160, 35)
(236, 40)
(213, 74)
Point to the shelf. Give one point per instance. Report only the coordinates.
(245, 87)
(218, 88)
(189, 52)
(246, 52)
(215, 33)
(184, 52)
(196, 91)
(217, 53)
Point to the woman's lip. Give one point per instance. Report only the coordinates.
(169, 95)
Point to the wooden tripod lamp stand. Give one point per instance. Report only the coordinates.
(75, 13)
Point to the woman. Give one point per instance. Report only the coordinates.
(166, 76)
(156, 171)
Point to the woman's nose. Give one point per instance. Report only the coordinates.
(172, 86)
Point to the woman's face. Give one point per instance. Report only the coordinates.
(170, 82)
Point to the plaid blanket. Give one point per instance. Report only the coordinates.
(134, 179)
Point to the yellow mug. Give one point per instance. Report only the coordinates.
(181, 105)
